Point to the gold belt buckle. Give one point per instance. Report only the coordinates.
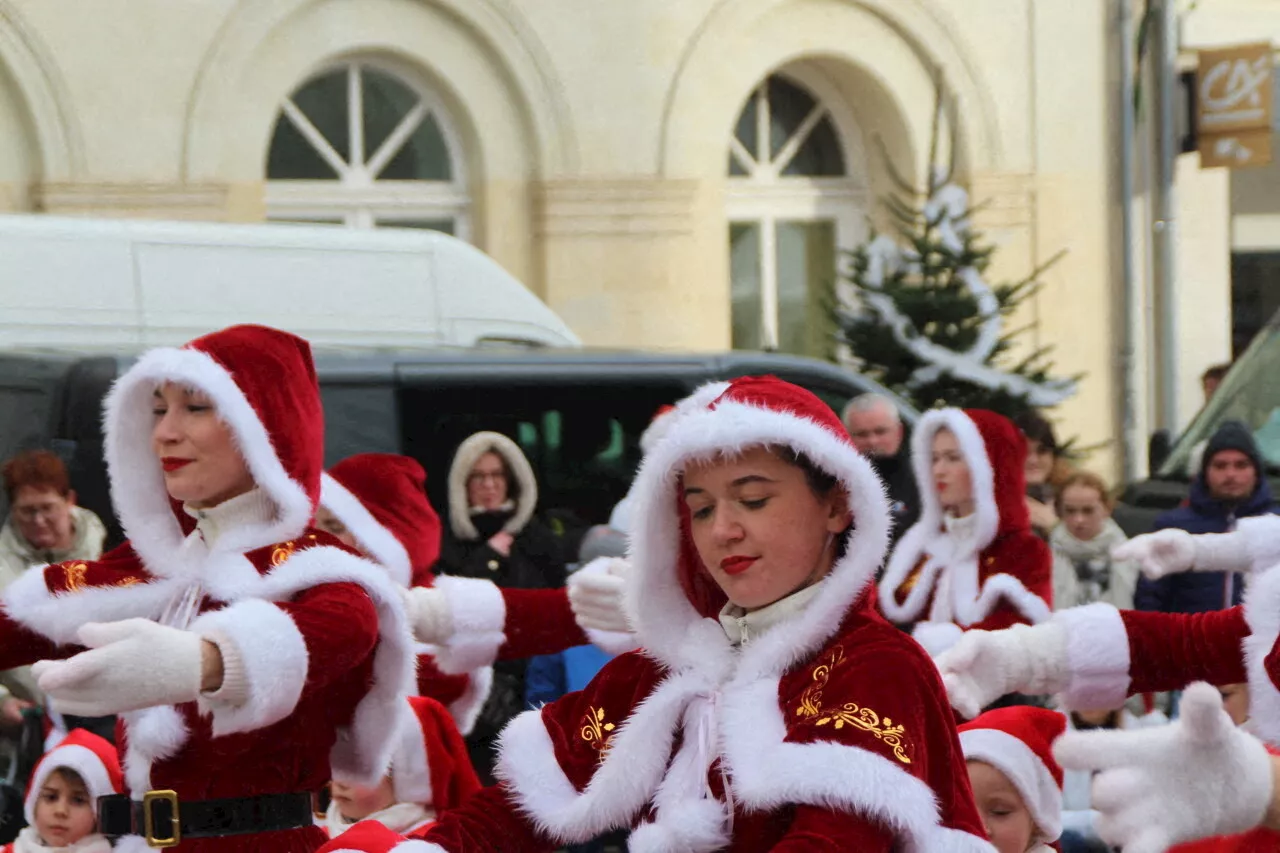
(174, 835)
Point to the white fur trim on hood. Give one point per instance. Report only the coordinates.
(469, 453)
(374, 539)
(137, 482)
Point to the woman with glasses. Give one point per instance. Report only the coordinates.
(492, 535)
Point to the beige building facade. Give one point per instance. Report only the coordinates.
(671, 174)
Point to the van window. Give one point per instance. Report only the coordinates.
(1250, 393)
(582, 440)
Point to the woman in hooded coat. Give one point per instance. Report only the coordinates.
(971, 561)
(246, 653)
(771, 707)
(377, 503)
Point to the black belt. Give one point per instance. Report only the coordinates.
(164, 822)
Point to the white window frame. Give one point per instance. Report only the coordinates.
(355, 197)
(764, 197)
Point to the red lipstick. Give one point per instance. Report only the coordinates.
(173, 463)
(736, 565)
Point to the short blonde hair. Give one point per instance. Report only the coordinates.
(1089, 480)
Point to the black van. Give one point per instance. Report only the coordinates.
(1250, 392)
(578, 414)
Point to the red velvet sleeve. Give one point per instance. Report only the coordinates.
(539, 622)
(1168, 651)
(445, 689)
(815, 830)
(21, 646)
(489, 822)
(339, 625)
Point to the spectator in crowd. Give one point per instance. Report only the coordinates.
(1083, 571)
(44, 526)
(877, 431)
(1231, 485)
(1212, 378)
(1046, 470)
(493, 534)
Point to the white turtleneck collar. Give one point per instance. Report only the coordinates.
(743, 627)
(398, 817)
(252, 508)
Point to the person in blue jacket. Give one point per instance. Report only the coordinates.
(1231, 485)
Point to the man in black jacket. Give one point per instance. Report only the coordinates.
(877, 431)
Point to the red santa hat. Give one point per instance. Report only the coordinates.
(1018, 741)
(431, 766)
(657, 428)
(369, 836)
(92, 758)
(263, 384)
(381, 498)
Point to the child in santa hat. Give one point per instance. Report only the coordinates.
(62, 795)
(1016, 781)
(377, 503)
(250, 657)
(770, 706)
(972, 560)
(430, 774)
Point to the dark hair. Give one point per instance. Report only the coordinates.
(1216, 372)
(39, 469)
(1036, 427)
(820, 481)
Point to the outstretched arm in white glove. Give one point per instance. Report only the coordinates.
(1197, 777)
(131, 664)
(596, 593)
(984, 665)
(1170, 552)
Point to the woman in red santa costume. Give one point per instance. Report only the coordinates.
(377, 502)
(971, 561)
(1200, 776)
(246, 653)
(771, 706)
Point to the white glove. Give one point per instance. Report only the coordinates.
(984, 665)
(132, 664)
(596, 593)
(429, 614)
(1197, 777)
(1165, 552)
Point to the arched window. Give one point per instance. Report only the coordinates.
(361, 146)
(792, 201)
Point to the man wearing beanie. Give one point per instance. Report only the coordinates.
(1230, 485)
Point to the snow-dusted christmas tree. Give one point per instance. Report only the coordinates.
(927, 324)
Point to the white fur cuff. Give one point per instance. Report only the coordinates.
(479, 615)
(1097, 657)
(272, 658)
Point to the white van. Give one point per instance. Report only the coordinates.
(105, 284)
